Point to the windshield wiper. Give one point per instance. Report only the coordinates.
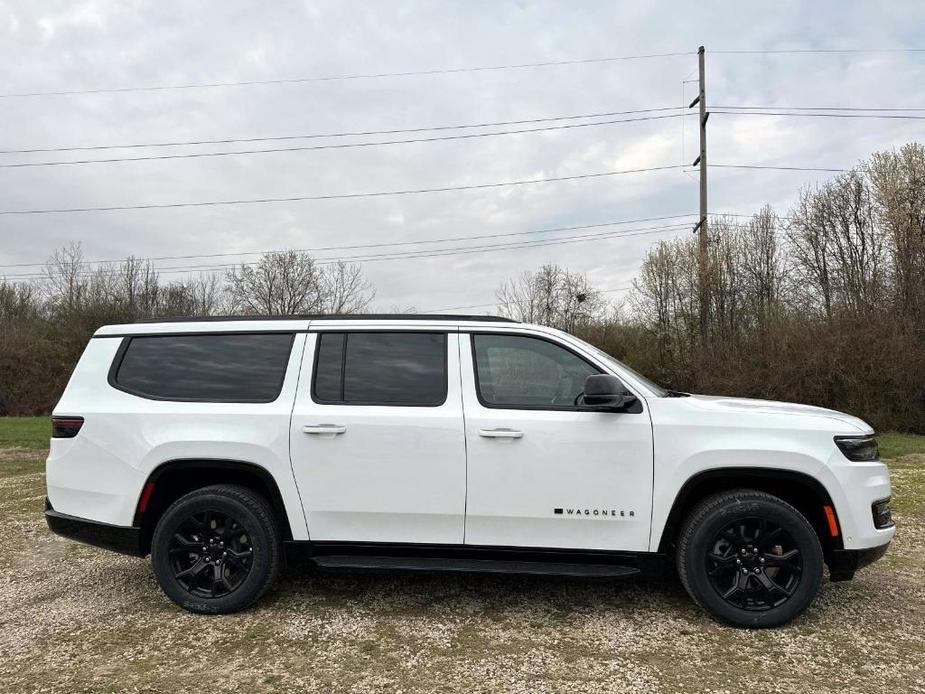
(676, 394)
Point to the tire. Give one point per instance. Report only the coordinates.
(749, 558)
(217, 549)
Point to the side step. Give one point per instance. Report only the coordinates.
(513, 566)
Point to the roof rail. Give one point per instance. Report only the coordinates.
(332, 316)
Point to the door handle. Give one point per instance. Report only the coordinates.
(501, 433)
(324, 429)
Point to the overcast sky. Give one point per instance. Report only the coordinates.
(70, 45)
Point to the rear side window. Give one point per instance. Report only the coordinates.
(204, 368)
(370, 368)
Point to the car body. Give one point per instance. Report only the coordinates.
(441, 442)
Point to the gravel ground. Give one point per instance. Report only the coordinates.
(74, 619)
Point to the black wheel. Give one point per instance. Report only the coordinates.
(750, 559)
(217, 549)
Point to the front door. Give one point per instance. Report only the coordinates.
(376, 441)
(541, 472)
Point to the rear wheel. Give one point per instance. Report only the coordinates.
(216, 549)
(750, 559)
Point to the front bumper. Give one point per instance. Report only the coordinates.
(118, 538)
(844, 562)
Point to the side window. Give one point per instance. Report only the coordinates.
(373, 368)
(204, 368)
(520, 371)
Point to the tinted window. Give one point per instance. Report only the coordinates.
(329, 381)
(208, 368)
(381, 368)
(518, 371)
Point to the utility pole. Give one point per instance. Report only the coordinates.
(701, 228)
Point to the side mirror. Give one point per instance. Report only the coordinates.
(605, 393)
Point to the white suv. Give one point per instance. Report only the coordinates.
(458, 443)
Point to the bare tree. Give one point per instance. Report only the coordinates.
(345, 289)
(728, 291)
(550, 296)
(65, 284)
(836, 247)
(666, 298)
(19, 301)
(764, 265)
(290, 282)
(898, 179)
(278, 284)
(192, 297)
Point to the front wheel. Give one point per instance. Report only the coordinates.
(750, 559)
(216, 549)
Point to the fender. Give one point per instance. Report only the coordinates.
(807, 493)
(184, 474)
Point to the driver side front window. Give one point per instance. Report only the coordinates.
(526, 372)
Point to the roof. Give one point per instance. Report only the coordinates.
(334, 316)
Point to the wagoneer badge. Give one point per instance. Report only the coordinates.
(594, 512)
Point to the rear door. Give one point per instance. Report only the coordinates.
(542, 472)
(377, 441)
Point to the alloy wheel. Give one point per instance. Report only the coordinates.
(210, 554)
(754, 564)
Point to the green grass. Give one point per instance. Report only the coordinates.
(25, 432)
(893, 445)
(21, 466)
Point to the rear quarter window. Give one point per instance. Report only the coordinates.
(203, 368)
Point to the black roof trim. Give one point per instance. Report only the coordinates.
(333, 316)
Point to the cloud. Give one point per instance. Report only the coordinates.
(65, 45)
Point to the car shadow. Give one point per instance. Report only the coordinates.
(433, 591)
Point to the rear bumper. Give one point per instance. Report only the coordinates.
(118, 538)
(844, 562)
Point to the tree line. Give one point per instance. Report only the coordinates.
(822, 303)
(44, 326)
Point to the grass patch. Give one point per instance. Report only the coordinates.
(25, 432)
(24, 465)
(893, 445)
(908, 483)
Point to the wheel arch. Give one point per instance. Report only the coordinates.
(802, 491)
(172, 479)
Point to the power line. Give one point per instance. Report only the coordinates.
(881, 116)
(469, 249)
(422, 254)
(349, 133)
(342, 145)
(778, 168)
(459, 308)
(496, 303)
(368, 245)
(339, 196)
(820, 51)
(823, 108)
(335, 78)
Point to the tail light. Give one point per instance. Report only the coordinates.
(65, 427)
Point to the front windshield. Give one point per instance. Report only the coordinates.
(619, 365)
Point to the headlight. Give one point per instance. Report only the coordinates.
(858, 448)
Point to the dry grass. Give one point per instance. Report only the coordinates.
(74, 619)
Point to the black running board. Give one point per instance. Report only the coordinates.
(508, 566)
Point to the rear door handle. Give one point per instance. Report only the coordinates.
(324, 429)
(501, 433)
